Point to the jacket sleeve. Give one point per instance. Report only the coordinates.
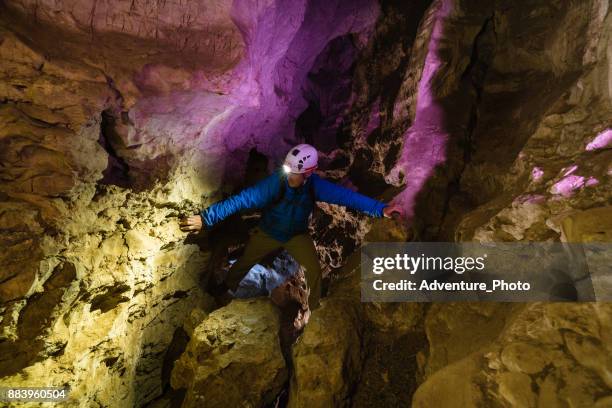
(334, 194)
(256, 196)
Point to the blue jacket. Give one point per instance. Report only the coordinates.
(290, 216)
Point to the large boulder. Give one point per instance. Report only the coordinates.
(328, 356)
(234, 357)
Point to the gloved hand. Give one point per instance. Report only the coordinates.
(192, 223)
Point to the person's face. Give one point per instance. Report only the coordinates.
(297, 179)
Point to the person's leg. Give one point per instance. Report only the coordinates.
(302, 249)
(258, 245)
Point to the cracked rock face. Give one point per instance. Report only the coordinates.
(104, 142)
(547, 355)
(485, 121)
(105, 306)
(523, 163)
(234, 357)
(502, 140)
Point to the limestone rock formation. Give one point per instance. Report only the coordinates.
(339, 348)
(547, 355)
(326, 359)
(522, 136)
(102, 302)
(484, 120)
(113, 123)
(234, 357)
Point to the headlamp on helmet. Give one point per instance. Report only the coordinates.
(301, 159)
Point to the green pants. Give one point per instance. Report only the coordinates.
(300, 247)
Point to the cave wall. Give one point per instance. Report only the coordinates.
(497, 130)
(541, 129)
(117, 118)
(484, 120)
(509, 142)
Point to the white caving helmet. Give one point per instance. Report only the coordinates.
(301, 159)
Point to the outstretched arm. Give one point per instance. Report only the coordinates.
(334, 194)
(256, 196)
